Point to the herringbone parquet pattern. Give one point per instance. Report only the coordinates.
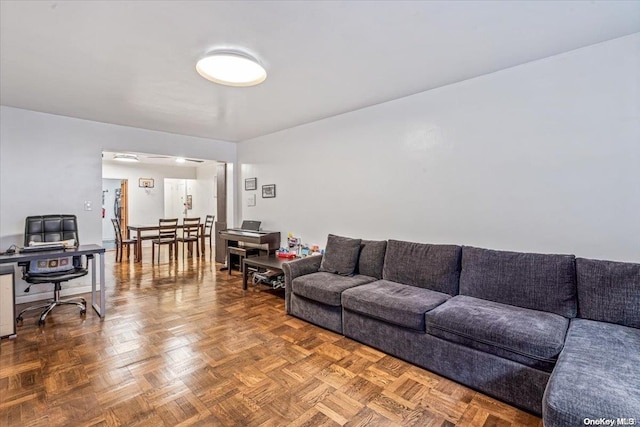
(183, 345)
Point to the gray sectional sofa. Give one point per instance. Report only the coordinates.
(552, 334)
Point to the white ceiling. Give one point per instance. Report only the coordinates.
(133, 62)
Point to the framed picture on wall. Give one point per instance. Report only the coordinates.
(268, 191)
(145, 182)
(251, 184)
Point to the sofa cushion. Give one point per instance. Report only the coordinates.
(531, 337)
(597, 375)
(399, 304)
(326, 287)
(536, 281)
(340, 255)
(435, 267)
(371, 259)
(609, 291)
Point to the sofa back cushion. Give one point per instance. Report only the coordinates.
(435, 267)
(340, 256)
(371, 259)
(609, 291)
(536, 281)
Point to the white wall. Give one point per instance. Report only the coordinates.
(52, 164)
(542, 157)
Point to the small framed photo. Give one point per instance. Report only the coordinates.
(251, 184)
(145, 182)
(268, 191)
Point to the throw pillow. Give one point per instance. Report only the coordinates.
(340, 255)
(371, 258)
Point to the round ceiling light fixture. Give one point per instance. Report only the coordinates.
(231, 68)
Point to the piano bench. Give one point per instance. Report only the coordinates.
(241, 253)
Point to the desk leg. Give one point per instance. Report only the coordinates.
(101, 309)
(103, 288)
(244, 275)
(93, 281)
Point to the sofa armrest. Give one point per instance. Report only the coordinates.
(295, 269)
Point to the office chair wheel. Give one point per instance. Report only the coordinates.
(41, 322)
(19, 319)
(83, 311)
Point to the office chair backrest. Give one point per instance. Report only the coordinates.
(51, 228)
(251, 225)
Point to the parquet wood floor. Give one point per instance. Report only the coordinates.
(183, 345)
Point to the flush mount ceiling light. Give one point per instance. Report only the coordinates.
(231, 68)
(181, 160)
(125, 157)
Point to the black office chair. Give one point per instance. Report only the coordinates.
(58, 269)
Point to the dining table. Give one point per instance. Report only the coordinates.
(140, 229)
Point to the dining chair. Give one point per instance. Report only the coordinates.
(121, 243)
(190, 235)
(167, 235)
(208, 231)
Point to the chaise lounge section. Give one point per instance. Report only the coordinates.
(598, 373)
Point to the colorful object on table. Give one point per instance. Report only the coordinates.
(284, 253)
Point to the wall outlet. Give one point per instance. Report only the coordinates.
(87, 205)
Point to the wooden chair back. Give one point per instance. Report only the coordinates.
(191, 227)
(168, 228)
(117, 230)
(208, 225)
